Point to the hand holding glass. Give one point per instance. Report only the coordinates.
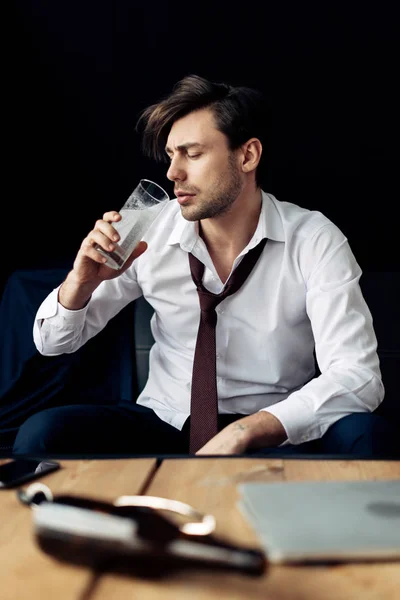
(139, 211)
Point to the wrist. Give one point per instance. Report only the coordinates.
(262, 429)
(74, 294)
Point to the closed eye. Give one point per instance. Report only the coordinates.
(169, 157)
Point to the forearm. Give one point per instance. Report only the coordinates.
(74, 294)
(261, 429)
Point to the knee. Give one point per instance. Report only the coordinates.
(38, 433)
(366, 434)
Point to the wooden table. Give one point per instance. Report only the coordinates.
(209, 485)
(25, 571)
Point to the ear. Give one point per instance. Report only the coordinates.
(251, 155)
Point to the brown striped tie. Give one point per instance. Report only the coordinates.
(204, 399)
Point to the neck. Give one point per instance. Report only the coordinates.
(229, 233)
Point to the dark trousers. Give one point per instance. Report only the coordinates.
(132, 429)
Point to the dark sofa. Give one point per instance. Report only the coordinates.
(114, 364)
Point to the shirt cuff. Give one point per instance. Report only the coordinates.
(55, 312)
(51, 316)
(298, 421)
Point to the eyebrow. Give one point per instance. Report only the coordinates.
(185, 146)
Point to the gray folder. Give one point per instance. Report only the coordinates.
(319, 521)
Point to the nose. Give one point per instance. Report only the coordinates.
(176, 171)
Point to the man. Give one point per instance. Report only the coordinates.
(302, 295)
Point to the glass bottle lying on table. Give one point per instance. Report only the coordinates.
(133, 534)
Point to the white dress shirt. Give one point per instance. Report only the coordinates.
(303, 293)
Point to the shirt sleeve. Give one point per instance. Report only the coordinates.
(345, 343)
(57, 330)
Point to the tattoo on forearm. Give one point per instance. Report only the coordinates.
(240, 426)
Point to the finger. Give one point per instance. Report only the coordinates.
(112, 216)
(96, 237)
(106, 230)
(89, 249)
(140, 248)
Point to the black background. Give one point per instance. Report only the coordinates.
(77, 74)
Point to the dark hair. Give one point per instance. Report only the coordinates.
(239, 113)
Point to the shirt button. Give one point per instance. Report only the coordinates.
(218, 355)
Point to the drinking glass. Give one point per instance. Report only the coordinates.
(140, 210)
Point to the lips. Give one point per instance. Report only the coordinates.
(183, 197)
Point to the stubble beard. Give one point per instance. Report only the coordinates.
(220, 200)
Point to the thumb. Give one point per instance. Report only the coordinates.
(140, 248)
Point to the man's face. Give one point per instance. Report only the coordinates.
(206, 175)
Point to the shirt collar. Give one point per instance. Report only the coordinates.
(186, 233)
(270, 219)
